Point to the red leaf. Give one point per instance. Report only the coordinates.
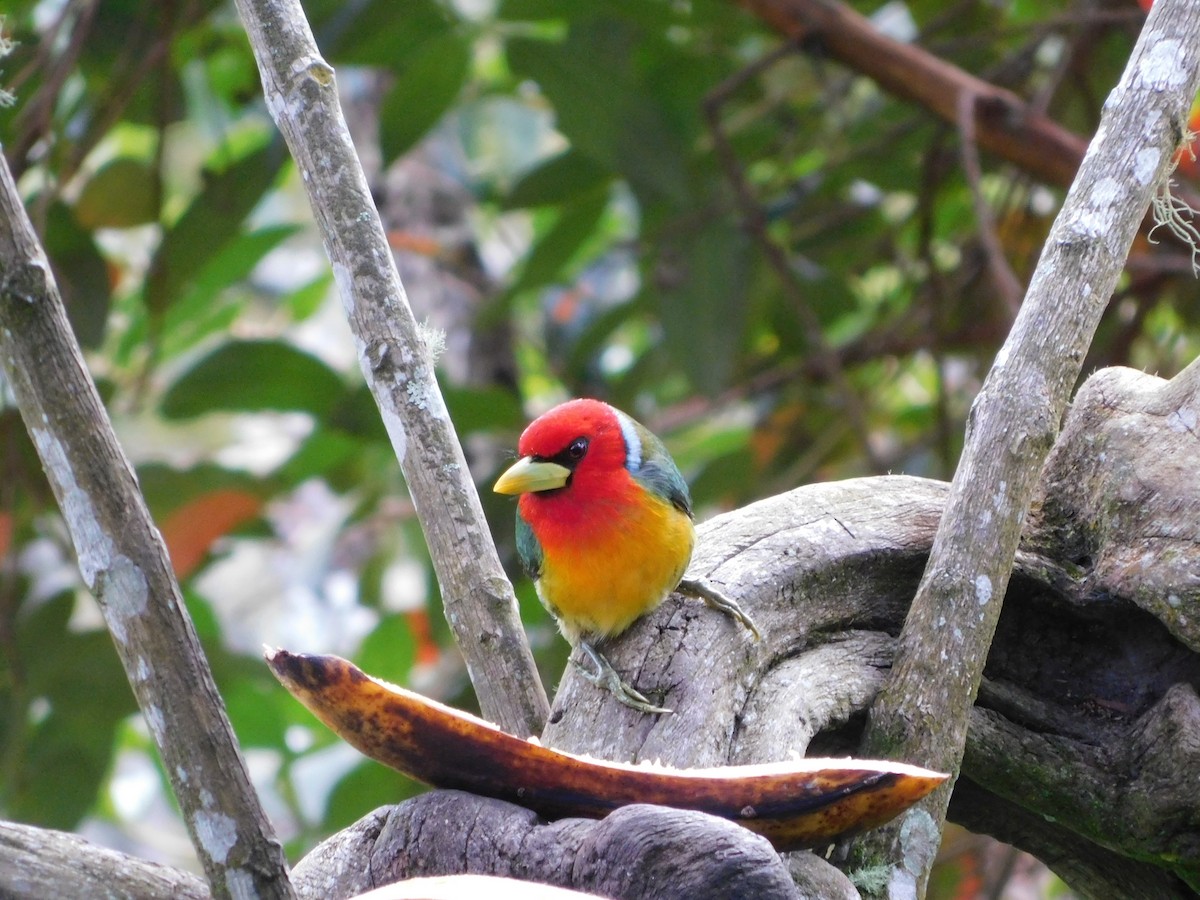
(193, 528)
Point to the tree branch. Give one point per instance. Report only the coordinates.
(636, 852)
(1087, 720)
(1092, 871)
(480, 604)
(125, 564)
(39, 863)
(1087, 725)
(923, 710)
(754, 221)
(1008, 286)
(1004, 124)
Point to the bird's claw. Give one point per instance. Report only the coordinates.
(713, 598)
(606, 677)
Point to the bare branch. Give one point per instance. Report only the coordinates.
(923, 710)
(636, 851)
(754, 221)
(1006, 125)
(124, 563)
(480, 604)
(1007, 284)
(39, 863)
(1086, 726)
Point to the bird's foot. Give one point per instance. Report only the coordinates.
(606, 677)
(702, 590)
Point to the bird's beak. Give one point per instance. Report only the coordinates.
(527, 475)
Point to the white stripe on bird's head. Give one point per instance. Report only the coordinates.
(633, 443)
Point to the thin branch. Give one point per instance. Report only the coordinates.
(125, 564)
(481, 607)
(33, 121)
(754, 220)
(1007, 126)
(1005, 280)
(39, 863)
(922, 712)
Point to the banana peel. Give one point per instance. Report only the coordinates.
(794, 804)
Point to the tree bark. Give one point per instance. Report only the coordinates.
(1085, 736)
(634, 853)
(481, 606)
(124, 563)
(1004, 123)
(923, 709)
(38, 863)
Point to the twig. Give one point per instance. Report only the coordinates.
(754, 220)
(125, 564)
(1006, 281)
(33, 121)
(1007, 126)
(921, 714)
(480, 604)
(38, 862)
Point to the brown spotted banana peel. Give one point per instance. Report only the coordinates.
(794, 804)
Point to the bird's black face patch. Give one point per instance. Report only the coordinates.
(570, 456)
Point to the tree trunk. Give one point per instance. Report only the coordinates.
(1085, 738)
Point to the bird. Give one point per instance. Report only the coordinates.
(604, 529)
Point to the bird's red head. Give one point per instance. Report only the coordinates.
(575, 467)
(583, 435)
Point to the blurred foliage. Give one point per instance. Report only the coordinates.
(814, 303)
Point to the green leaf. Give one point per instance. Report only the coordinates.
(46, 623)
(210, 223)
(68, 758)
(724, 477)
(604, 106)
(556, 180)
(389, 651)
(204, 619)
(548, 259)
(655, 15)
(167, 487)
(122, 194)
(246, 376)
(423, 92)
(704, 311)
(81, 273)
(321, 452)
(482, 409)
(258, 709)
(307, 299)
(58, 757)
(531, 10)
(200, 310)
(380, 33)
(366, 787)
(357, 414)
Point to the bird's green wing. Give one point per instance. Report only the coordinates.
(528, 548)
(658, 472)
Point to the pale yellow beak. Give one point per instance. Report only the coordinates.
(528, 475)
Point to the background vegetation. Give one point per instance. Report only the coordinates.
(788, 273)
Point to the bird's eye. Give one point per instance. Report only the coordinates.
(578, 448)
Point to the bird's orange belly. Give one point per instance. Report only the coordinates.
(599, 587)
